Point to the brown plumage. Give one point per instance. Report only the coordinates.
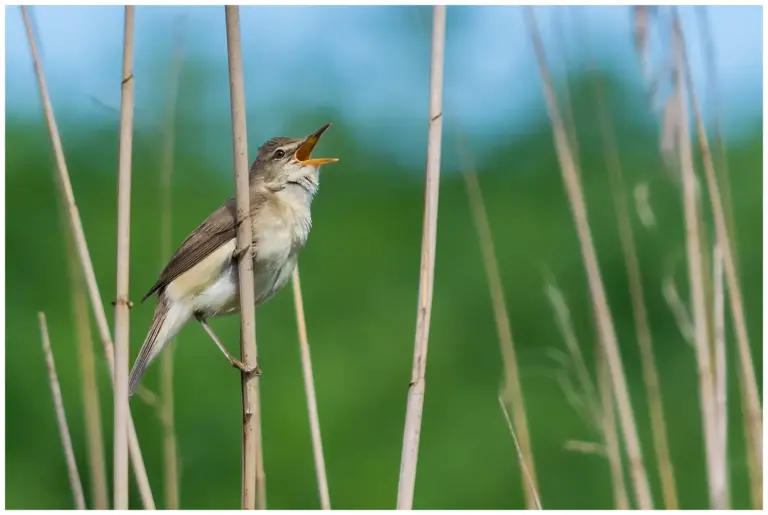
(219, 228)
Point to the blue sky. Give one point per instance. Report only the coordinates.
(371, 62)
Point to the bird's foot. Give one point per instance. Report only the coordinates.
(245, 369)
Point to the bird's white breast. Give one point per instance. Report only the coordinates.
(280, 231)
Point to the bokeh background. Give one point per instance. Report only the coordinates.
(366, 69)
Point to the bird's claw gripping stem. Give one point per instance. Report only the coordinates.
(244, 368)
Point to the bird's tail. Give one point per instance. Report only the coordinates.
(168, 320)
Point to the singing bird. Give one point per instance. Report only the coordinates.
(201, 279)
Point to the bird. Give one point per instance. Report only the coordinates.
(201, 279)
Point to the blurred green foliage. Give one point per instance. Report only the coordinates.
(359, 275)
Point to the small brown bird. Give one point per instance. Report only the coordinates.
(201, 279)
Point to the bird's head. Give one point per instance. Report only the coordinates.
(284, 162)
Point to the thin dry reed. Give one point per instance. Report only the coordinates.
(122, 303)
(648, 364)
(97, 466)
(691, 192)
(512, 387)
(417, 386)
(611, 433)
(309, 388)
(600, 410)
(713, 93)
(637, 295)
(748, 382)
(602, 311)
(85, 259)
(722, 486)
(642, 325)
(528, 480)
(170, 457)
(253, 486)
(558, 28)
(61, 418)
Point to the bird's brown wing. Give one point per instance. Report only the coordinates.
(215, 231)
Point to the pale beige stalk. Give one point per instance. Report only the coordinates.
(170, 457)
(606, 330)
(122, 303)
(253, 485)
(569, 118)
(90, 388)
(503, 327)
(97, 466)
(600, 410)
(309, 388)
(85, 259)
(637, 296)
(417, 386)
(691, 200)
(61, 418)
(713, 94)
(528, 480)
(611, 433)
(722, 486)
(748, 382)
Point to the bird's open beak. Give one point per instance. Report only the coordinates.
(304, 151)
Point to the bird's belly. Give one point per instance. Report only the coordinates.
(273, 265)
(269, 278)
(222, 297)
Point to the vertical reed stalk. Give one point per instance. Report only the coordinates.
(601, 410)
(529, 485)
(417, 386)
(722, 492)
(748, 382)
(253, 486)
(691, 200)
(84, 256)
(309, 388)
(642, 324)
(602, 310)
(170, 458)
(89, 385)
(122, 304)
(90, 389)
(61, 418)
(512, 385)
(610, 433)
(724, 175)
(97, 466)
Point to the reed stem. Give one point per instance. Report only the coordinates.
(61, 418)
(253, 485)
(170, 449)
(417, 386)
(122, 303)
(84, 257)
(512, 387)
(606, 330)
(309, 388)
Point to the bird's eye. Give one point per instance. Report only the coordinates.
(279, 153)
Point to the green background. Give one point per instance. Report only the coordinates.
(360, 281)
